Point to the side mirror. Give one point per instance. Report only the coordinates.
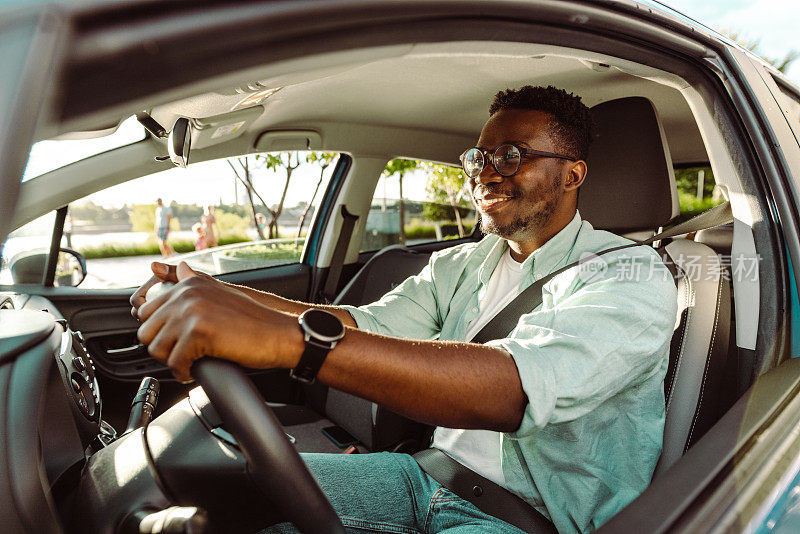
(179, 142)
(28, 267)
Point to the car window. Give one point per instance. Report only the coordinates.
(416, 202)
(697, 190)
(51, 154)
(219, 216)
(32, 238)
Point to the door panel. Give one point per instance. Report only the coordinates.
(104, 318)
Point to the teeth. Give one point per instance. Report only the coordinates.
(491, 201)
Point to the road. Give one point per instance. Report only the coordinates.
(107, 273)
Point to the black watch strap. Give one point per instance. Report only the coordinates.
(312, 359)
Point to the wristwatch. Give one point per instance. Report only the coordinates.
(321, 332)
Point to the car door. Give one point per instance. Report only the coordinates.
(252, 244)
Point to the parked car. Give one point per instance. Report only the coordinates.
(211, 84)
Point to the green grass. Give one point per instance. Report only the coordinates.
(272, 251)
(691, 206)
(148, 248)
(418, 229)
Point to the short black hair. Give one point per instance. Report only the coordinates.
(571, 124)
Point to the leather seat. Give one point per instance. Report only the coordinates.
(699, 349)
(630, 188)
(376, 427)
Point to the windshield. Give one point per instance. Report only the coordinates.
(49, 155)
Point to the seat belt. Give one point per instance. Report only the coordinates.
(488, 497)
(460, 479)
(338, 256)
(506, 319)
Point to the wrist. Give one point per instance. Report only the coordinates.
(292, 341)
(321, 332)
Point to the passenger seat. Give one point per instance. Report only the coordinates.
(375, 427)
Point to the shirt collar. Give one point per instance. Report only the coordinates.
(543, 260)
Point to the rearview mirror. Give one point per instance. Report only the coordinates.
(179, 142)
(28, 267)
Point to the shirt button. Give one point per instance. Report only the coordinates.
(475, 310)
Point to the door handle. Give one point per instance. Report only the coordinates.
(126, 351)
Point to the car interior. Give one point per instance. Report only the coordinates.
(424, 101)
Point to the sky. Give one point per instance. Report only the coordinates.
(773, 23)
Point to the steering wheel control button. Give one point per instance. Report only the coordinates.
(78, 363)
(477, 491)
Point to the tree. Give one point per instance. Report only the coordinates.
(447, 184)
(324, 159)
(244, 175)
(288, 161)
(244, 172)
(401, 167)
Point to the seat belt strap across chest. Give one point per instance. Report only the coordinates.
(338, 256)
(506, 319)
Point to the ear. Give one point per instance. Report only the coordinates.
(574, 175)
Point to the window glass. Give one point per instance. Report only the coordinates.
(33, 238)
(417, 202)
(697, 191)
(49, 155)
(219, 216)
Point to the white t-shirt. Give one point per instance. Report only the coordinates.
(162, 216)
(480, 450)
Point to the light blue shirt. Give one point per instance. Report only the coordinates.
(592, 361)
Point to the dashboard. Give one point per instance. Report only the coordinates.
(63, 468)
(50, 412)
(77, 370)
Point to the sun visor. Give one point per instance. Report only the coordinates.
(277, 140)
(210, 131)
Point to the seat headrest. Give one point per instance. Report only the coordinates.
(630, 183)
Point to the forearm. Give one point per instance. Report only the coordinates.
(294, 307)
(456, 385)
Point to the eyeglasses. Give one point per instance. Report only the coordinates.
(506, 159)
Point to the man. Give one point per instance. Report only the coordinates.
(161, 227)
(567, 411)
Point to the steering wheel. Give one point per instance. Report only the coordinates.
(272, 461)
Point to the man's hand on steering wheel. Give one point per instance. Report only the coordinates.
(200, 316)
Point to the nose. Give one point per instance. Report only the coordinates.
(488, 174)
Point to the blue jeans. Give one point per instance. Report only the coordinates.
(388, 492)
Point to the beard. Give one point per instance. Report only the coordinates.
(534, 210)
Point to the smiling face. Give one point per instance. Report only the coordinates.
(529, 206)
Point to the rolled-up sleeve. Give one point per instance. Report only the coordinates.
(408, 311)
(577, 353)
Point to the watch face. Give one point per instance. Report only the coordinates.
(322, 325)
